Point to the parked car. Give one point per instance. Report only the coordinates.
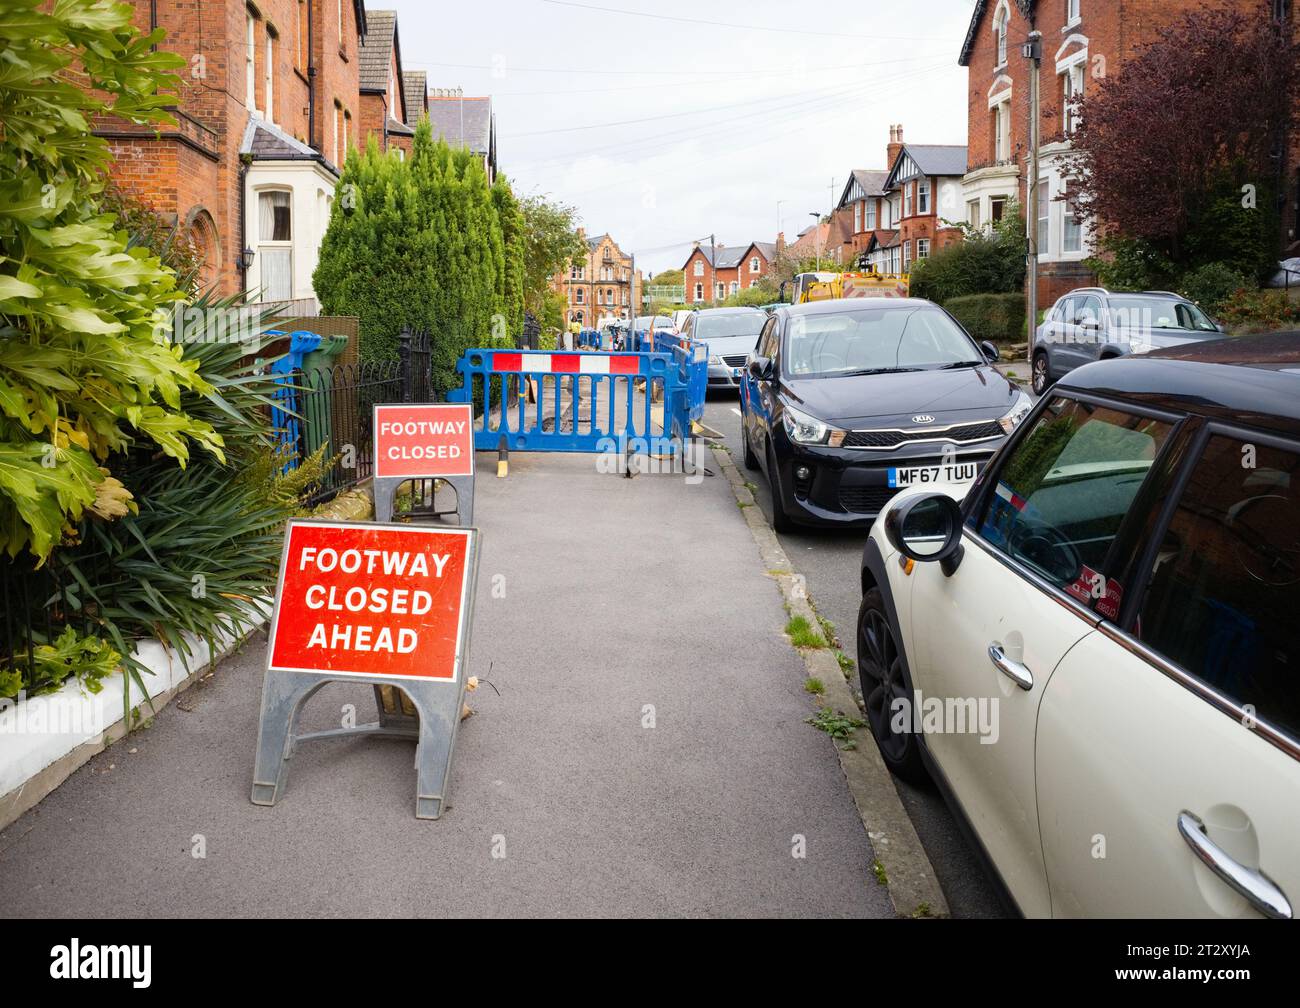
(845, 402)
(1119, 590)
(1092, 323)
(731, 334)
(679, 318)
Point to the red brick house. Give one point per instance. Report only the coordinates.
(1081, 40)
(271, 101)
(715, 272)
(891, 219)
(383, 84)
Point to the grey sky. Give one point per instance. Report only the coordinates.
(661, 131)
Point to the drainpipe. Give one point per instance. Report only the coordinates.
(243, 236)
(311, 78)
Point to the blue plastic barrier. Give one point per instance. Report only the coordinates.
(619, 389)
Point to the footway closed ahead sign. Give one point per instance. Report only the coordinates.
(387, 604)
(371, 600)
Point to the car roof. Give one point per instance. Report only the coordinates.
(736, 310)
(833, 305)
(1250, 380)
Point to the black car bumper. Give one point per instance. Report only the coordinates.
(851, 486)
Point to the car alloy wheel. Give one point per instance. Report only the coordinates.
(1041, 379)
(880, 670)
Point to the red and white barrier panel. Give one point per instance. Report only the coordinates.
(568, 363)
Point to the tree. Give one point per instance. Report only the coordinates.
(511, 218)
(422, 242)
(667, 278)
(1196, 116)
(551, 241)
(86, 365)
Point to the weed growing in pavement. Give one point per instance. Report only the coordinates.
(836, 725)
(879, 871)
(922, 910)
(802, 635)
(846, 664)
(828, 631)
(814, 685)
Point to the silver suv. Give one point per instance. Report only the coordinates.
(1092, 323)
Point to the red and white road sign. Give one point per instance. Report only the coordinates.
(424, 440)
(372, 600)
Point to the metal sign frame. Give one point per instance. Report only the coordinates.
(438, 702)
(385, 487)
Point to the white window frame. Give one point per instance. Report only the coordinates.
(270, 76)
(973, 212)
(335, 135)
(907, 199)
(869, 217)
(1073, 71)
(755, 265)
(699, 267)
(1001, 20)
(922, 248)
(699, 292)
(250, 61)
(578, 295)
(735, 286)
(907, 254)
(857, 216)
(1043, 231)
(1072, 14)
(923, 196)
(270, 244)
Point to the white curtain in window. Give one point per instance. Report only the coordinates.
(277, 273)
(273, 221)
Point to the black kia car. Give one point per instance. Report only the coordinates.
(846, 402)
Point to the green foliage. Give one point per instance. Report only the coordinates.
(70, 654)
(667, 278)
(986, 262)
(1213, 285)
(421, 242)
(837, 725)
(551, 240)
(750, 297)
(814, 685)
(1224, 227)
(511, 219)
(802, 635)
(84, 373)
(996, 317)
(1132, 264)
(1259, 311)
(146, 228)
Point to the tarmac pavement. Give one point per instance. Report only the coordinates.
(605, 605)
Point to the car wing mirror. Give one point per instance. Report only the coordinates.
(760, 368)
(991, 352)
(927, 528)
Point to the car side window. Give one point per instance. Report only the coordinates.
(1224, 592)
(767, 340)
(1088, 311)
(1058, 499)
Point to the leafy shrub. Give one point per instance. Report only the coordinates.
(1132, 264)
(996, 317)
(1259, 310)
(84, 373)
(1213, 285)
(986, 262)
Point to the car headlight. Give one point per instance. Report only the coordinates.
(715, 359)
(1011, 419)
(805, 429)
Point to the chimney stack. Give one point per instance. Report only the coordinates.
(895, 145)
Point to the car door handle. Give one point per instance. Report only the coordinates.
(1017, 672)
(1256, 887)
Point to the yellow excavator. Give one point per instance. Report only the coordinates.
(823, 286)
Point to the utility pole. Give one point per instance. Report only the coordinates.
(1032, 51)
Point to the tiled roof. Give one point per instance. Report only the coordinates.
(938, 159)
(767, 248)
(463, 122)
(376, 51)
(416, 85)
(730, 256)
(267, 142)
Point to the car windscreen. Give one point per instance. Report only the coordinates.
(875, 339)
(718, 326)
(1139, 313)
